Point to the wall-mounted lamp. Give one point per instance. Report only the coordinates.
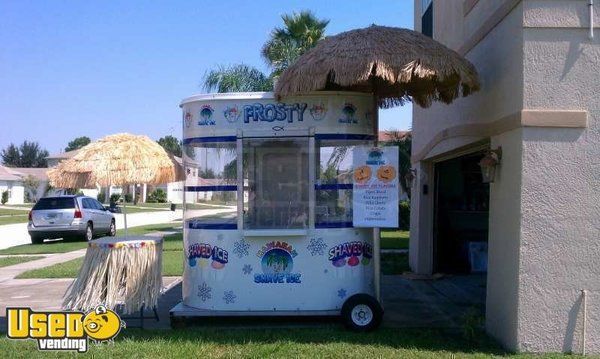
(488, 164)
(410, 177)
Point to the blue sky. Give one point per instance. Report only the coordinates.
(74, 68)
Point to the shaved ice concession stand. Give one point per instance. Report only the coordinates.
(281, 206)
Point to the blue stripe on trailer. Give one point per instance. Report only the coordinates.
(191, 140)
(342, 136)
(223, 188)
(225, 226)
(333, 186)
(334, 225)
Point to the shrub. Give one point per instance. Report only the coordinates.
(114, 198)
(157, 196)
(101, 197)
(404, 213)
(4, 197)
(128, 197)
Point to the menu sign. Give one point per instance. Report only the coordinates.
(375, 187)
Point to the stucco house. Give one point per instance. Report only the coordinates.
(538, 113)
(12, 180)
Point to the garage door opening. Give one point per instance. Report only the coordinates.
(461, 210)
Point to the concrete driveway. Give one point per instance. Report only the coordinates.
(16, 234)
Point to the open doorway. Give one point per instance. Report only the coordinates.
(461, 210)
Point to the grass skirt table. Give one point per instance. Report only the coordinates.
(118, 271)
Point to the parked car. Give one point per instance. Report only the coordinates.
(69, 217)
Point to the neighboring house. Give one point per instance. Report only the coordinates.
(12, 180)
(13, 185)
(537, 225)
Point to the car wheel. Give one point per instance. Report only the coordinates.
(362, 313)
(113, 229)
(36, 240)
(89, 233)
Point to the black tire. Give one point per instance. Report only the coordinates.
(113, 229)
(89, 233)
(36, 240)
(362, 313)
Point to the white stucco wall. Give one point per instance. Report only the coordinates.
(544, 240)
(560, 233)
(16, 194)
(504, 241)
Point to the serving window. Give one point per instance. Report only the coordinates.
(211, 184)
(333, 186)
(275, 173)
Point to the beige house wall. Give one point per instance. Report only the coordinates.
(539, 102)
(560, 198)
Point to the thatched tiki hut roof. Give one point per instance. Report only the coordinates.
(396, 65)
(118, 160)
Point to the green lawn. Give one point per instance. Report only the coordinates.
(394, 263)
(49, 247)
(62, 246)
(25, 205)
(328, 341)
(62, 270)
(205, 206)
(394, 239)
(173, 242)
(172, 266)
(11, 212)
(131, 210)
(9, 261)
(12, 219)
(11, 216)
(157, 205)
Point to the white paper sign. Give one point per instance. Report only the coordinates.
(375, 187)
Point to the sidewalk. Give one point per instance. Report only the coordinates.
(10, 272)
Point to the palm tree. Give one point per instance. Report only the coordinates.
(301, 32)
(237, 78)
(403, 140)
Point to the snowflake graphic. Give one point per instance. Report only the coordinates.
(342, 293)
(204, 292)
(247, 269)
(240, 248)
(229, 297)
(316, 246)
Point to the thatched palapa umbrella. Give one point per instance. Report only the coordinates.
(119, 160)
(395, 64)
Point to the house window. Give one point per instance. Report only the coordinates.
(427, 18)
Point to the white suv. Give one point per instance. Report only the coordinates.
(69, 217)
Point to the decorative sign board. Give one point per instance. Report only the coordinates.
(375, 187)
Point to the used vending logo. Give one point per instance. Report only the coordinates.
(63, 330)
(352, 251)
(277, 263)
(219, 256)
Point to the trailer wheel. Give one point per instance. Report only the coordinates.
(362, 313)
